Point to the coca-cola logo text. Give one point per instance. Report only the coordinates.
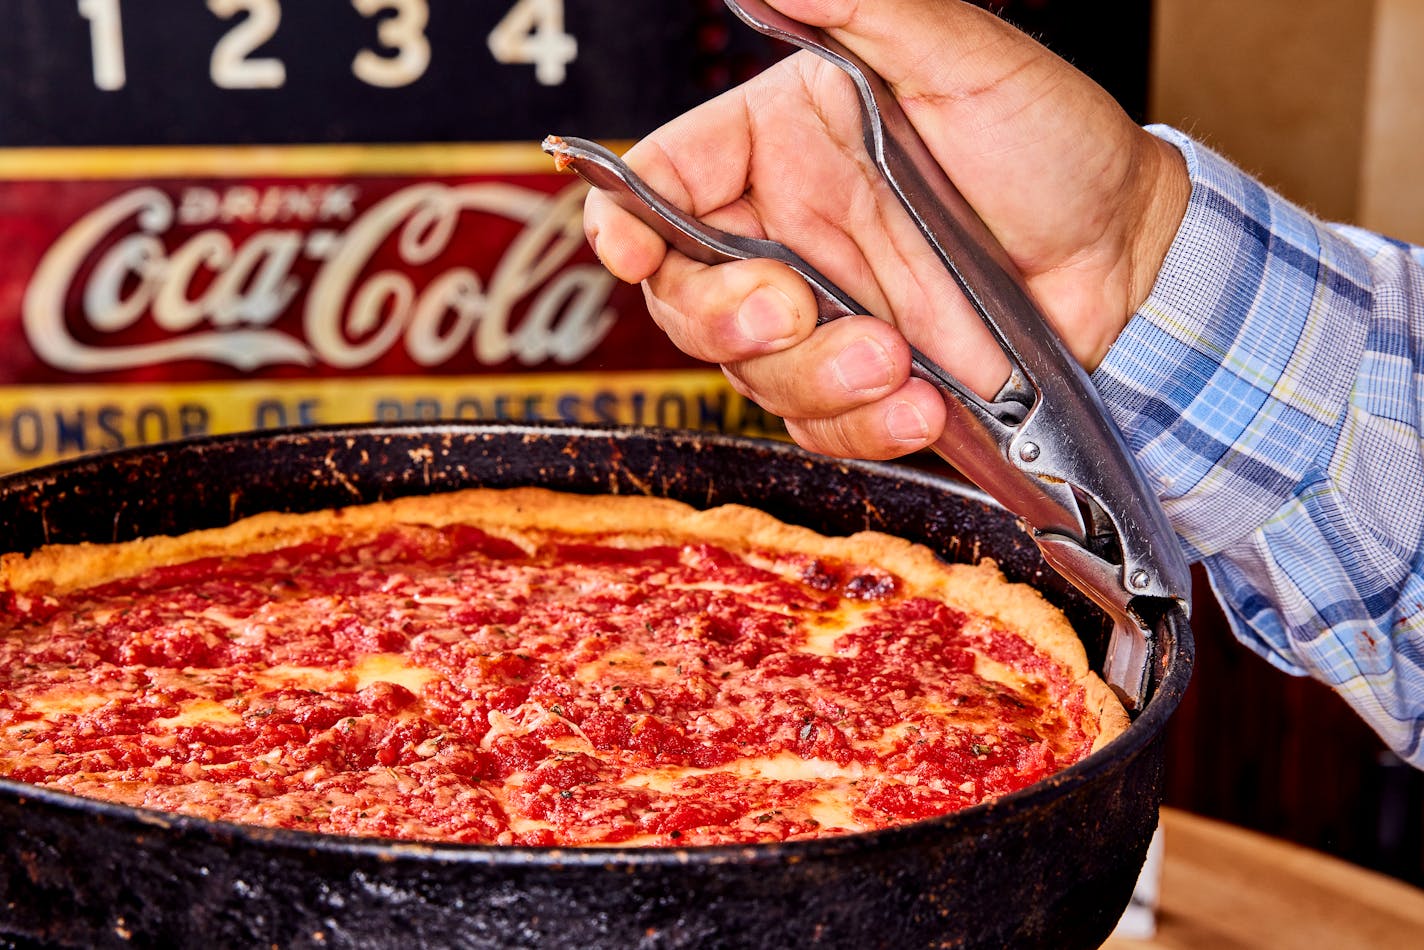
(218, 298)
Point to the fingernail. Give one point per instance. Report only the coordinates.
(766, 316)
(906, 423)
(863, 365)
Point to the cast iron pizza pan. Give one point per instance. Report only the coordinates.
(1050, 866)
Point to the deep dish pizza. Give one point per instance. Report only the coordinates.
(528, 667)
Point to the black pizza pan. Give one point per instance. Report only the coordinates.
(1050, 866)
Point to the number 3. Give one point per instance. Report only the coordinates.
(404, 33)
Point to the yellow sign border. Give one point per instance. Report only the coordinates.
(65, 420)
(215, 161)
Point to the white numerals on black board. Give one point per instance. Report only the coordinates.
(530, 33)
(403, 36)
(233, 66)
(106, 41)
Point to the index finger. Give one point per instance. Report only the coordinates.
(699, 162)
(672, 164)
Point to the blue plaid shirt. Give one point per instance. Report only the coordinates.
(1271, 387)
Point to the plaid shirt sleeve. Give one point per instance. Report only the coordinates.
(1271, 387)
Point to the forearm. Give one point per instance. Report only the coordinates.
(1268, 386)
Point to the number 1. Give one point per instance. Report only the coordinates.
(106, 42)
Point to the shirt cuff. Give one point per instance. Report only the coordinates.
(1231, 381)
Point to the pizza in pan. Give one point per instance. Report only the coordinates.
(525, 667)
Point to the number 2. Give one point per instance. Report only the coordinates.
(533, 32)
(230, 66)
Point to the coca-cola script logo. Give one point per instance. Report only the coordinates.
(209, 295)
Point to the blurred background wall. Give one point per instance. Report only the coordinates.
(1319, 98)
(1323, 100)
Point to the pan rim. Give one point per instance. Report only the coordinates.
(1144, 728)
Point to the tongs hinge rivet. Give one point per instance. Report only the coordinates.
(1140, 580)
(1029, 451)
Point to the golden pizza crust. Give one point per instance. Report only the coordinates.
(978, 588)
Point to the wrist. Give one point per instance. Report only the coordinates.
(1156, 190)
(1166, 189)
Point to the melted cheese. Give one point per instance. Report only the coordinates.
(824, 630)
(68, 701)
(521, 825)
(376, 668)
(202, 712)
(831, 809)
(392, 668)
(997, 672)
(284, 676)
(782, 767)
(641, 665)
(224, 619)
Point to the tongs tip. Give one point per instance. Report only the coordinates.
(575, 154)
(557, 147)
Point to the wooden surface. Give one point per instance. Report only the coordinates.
(1231, 889)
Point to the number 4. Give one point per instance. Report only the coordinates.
(533, 32)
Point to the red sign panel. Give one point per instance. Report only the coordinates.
(315, 284)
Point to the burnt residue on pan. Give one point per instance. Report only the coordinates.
(1050, 866)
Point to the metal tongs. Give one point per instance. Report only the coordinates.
(1044, 447)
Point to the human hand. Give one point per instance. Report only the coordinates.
(1084, 201)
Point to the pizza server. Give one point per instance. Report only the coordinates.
(1044, 447)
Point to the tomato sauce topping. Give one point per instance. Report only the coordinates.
(443, 683)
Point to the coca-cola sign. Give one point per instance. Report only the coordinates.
(138, 306)
(334, 277)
